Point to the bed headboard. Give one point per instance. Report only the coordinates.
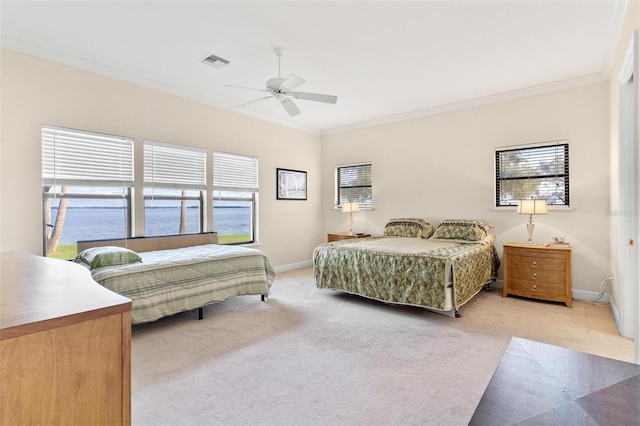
(142, 244)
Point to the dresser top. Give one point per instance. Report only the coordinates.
(539, 246)
(39, 293)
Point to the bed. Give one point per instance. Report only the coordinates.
(408, 265)
(167, 275)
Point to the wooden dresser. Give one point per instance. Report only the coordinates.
(538, 272)
(65, 345)
(337, 236)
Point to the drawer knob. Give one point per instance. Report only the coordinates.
(534, 276)
(534, 287)
(534, 264)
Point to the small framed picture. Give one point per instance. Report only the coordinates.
(291, 184)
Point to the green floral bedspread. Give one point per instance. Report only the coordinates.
(410, 271)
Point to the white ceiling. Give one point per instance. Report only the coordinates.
(383, 60)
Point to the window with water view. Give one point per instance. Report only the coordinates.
(88, 190)
(87, 179)
(235, 194)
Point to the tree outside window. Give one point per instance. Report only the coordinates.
(540, 172)
(354, 185)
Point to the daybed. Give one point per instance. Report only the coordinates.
(403, 266)
(167, 275)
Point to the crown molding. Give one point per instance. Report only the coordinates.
(485, 100)
(81, 63)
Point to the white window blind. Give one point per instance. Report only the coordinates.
(354, 184)
(533, 172)
(81, 158)
(238, 173)
(173, 166)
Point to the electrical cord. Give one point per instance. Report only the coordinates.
(604, 285)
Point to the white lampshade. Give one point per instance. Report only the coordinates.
(350, 207)
(532, 207)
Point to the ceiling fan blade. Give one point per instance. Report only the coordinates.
(248, 88)
(289, 105)
(255, 100)
(292, 82)
(305, 96)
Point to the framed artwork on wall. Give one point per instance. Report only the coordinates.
(291, 184)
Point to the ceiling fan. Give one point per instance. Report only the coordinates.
(283, 90)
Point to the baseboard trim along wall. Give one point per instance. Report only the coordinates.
(616, 314)
(292, 266)
(587, 296)
(592, 296)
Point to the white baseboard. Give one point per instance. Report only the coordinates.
(616, 314)
(292, 266)
(589, 296)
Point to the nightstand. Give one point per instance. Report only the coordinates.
(337, 236)
(538, 272)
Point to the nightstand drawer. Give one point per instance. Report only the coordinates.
(536, 254)
(551, 277)
(525, 287)
(556, 263)
(551, 270)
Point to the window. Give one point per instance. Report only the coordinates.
(354, 185)
(235, 194)
(86, 183)
(540, 171)
(174, 185)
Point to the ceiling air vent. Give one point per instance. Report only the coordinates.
(215, 61)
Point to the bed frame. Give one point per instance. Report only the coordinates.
(333, 270)
(143, 244)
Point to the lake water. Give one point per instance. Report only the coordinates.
(101, 223)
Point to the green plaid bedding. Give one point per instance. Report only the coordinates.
(170, 281)
(409, 271)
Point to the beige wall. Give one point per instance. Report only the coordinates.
(36, 92)
(442, 166)
(436, 167)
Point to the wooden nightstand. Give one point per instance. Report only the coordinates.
(538, 272)
(336, 236)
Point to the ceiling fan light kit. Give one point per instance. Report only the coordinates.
(283, 90)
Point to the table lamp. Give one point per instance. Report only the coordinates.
(531, 207)
(350, 208)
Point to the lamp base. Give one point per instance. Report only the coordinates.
(530, 227)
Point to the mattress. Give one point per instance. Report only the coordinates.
(171, 281)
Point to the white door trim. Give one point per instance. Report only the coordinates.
(628, 273)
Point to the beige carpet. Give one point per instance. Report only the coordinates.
(319, 357)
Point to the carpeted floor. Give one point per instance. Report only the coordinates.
(319, 357)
